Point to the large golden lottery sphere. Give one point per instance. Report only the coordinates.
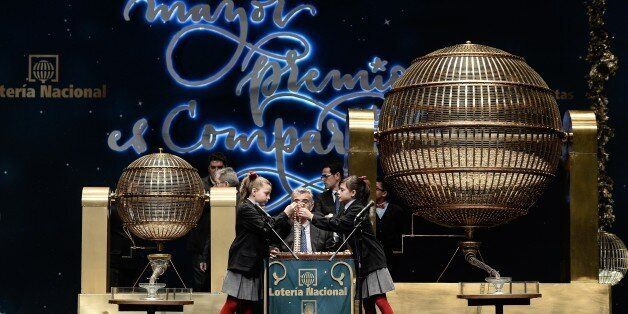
(470, 136)
(160, 197)
(613, 258)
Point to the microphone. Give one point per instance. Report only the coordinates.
(361, 213)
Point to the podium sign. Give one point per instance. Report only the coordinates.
(313, 285)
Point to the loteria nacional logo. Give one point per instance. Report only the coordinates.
(43, 69)
(308, 277)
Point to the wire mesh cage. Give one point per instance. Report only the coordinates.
(160, 197)
(613, 258)
(470, 136)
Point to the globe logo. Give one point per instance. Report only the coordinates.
(43, 70)
(307, 277)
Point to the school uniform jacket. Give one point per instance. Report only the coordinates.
(395, 222)
(250, 246)
(371, 253)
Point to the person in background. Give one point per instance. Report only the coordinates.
(217, 161)
(392, 222)
(328, 202)
(198, 235)
(226, 177)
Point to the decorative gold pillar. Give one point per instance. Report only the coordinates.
(222, 232)
(95, 240)
(583, 194)
(362, 156)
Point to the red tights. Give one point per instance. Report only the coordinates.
(381, 302)
(233, 305)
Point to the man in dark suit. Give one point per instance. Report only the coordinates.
(392, 222)
(328, 202)
(313, 239)
(225, 177)
(197, 237)
(217, 161)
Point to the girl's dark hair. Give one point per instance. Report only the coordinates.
(361, 186)
(251, 181)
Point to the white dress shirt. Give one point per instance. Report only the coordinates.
(349, 204)
(381, 210)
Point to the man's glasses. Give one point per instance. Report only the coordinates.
(302, 201)
(216, 167)
(325, 175)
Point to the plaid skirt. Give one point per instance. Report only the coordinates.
(242, 287)
(377, 282)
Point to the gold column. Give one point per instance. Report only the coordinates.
(362, 156)
(222, 232)
(583, 194)
(95, 240)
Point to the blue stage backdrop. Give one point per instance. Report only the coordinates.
(86, 87)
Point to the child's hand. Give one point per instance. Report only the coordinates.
(304, 213)
(273, 252)
(290, 209)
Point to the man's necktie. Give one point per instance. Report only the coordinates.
(303, 247)
(337, 202)
(337, 206)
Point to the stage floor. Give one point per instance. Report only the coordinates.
(590, 298)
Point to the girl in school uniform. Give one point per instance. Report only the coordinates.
(376, 280)
(242, 283)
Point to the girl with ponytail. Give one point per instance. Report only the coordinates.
(375, 278)
(250, 246)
